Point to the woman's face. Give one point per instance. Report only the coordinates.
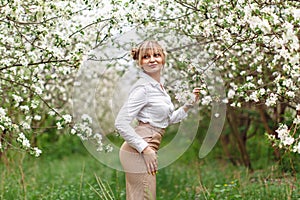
(152, 61)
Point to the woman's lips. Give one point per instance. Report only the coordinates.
(152, 65)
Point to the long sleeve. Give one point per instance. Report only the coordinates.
(136, 101)
(177, 116)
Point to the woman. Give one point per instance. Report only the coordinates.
(149, 103)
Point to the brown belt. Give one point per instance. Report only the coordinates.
(157, 129)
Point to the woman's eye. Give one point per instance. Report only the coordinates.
(145, 56)
(157, 55)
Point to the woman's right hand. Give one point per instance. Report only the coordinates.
(150, 158)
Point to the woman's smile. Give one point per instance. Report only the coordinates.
(153, 65)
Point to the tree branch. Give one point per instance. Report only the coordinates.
(28, 87)
(91, 24)
(42, 22)
(37, 63)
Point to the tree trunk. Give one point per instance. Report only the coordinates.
(225, 142)
(265, 118)
(235, 122)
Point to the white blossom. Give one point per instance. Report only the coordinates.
(242, 73)
(262, 91)
(59, 125)
(288, 83)
(67, 118)
(34, 104)
(18, 99)
(260, 81)
(108, 148)
(51, 113)
(284, 135)
(206, 100)
(26, 143)
(257, 22)
(290, 94)
(287, 141)
(25, 108)
(271, 100)
(73, 131)
(98, 136)
(86, 118)
(25, 125)
(23, 140)
(249, 78)
(225, 100)
(259, 69)
(36, 151)
(2, 112)
(230, 93)
(233, 86)
(297, 120)
(38, 90)
(254, 96)
(99, 148)
(37, 117)
(296, 148)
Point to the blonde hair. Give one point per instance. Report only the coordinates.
(146, 47)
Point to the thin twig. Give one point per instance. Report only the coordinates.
(91, 24)
(42, 22)
(37, 63)
(28, 87)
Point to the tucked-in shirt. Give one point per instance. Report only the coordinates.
(147, 102)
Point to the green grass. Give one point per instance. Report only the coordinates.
(78, 175)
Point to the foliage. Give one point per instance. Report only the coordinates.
(75, 177)
(42, 45)
(226, 191)
(253, 45)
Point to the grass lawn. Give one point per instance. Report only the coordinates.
(80, 176)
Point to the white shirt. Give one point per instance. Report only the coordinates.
(147, 102)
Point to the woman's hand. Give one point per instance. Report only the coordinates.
(196, 92)
(150, 158)
(188, 105)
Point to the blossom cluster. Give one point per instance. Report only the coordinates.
(85, 132)
(42, 45)
(287, 137)
(253, 45)
(8, 126)
(254, 48)
(24, 142)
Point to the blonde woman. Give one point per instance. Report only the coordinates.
(149, 103)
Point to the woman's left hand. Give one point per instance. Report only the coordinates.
(196, 92)
(150, 158)
(188, 105)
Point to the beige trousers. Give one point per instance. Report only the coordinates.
(139, 184)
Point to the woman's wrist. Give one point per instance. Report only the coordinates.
(145, 149)
(187, 106)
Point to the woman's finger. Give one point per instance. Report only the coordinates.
(196, 90)
(149, 169)
(151, 162)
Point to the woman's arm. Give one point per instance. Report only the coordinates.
(136, 101)
(181, 112)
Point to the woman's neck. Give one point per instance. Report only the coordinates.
(155, 76)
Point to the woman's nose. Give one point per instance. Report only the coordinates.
(152, 59)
